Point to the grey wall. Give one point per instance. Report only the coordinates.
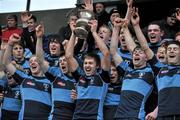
(52, 19)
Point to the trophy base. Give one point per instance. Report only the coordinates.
(81, 33)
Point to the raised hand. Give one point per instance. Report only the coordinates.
(129, 3)
(13, 39)
(40, 30)
(135, 19)
(93, 24)
(25, 16)
(88, 5)
(118, 22)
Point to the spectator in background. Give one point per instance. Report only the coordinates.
(29, 39)
(11, 21)
(65, 32)
(101, 14)
(171, 24)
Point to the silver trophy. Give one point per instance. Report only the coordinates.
(82, 27)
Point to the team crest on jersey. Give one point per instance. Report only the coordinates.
(129, 75)
(46, 86)
(82, 80)
(110, 88)
(164, 71)
(17, 93)
(61, 84)
(141, 75)
(31, 83)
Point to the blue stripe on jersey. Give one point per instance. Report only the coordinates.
(168, 81)
(92, 92)
(61, 95)
(11, 104)
(55, 71)
(102, 98)
(137, 85)
(36, 95)
(112, 99)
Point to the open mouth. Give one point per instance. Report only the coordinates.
(152, 36)
(112, 77)
(136, 59)
(161, 57)
(88, 69)
(172, 56)
(63, 67)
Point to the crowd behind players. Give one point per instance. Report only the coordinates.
(120, 71)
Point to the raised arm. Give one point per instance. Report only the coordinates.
(69, 51)
(8, 52)
(114, 41)
(129, 9)
(39, 48)
(128, 38)
(135, 19)
(105, 62)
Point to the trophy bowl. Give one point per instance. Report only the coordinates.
(82, 27)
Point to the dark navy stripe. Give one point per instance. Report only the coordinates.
(64, 84)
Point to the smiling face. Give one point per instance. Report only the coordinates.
(35, 67)
(89, 66)
(161, 54)
(139, 58)
(11, 22)
(173, 54)
(54, 48)
(154, 33)
(63, 64)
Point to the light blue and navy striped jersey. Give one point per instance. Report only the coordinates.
(35, 94)
(62, 104)
(136, 87)
(91, 91)
(168, 84)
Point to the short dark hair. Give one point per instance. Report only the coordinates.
(156, 23)
(94, 56)
(173, 42)
(12, 16)
(54, 38)
(34, 18)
